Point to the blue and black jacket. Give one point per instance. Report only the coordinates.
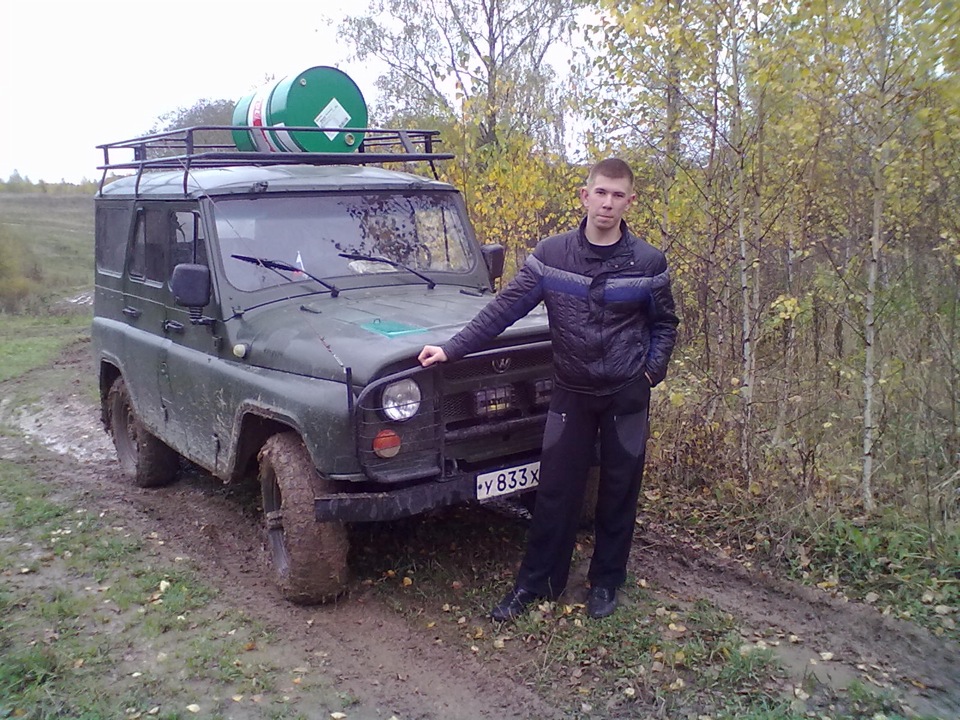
(612, 319)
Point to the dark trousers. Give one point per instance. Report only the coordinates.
(573, 422)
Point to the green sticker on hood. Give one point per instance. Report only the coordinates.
(391, 328)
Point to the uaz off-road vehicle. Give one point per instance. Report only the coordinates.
(260, 314)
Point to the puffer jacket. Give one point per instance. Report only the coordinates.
(611, 320)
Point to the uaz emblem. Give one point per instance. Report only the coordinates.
(501, 365)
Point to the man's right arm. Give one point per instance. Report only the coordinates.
(431, 354)
(519, 297)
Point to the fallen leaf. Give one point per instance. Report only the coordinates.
(407, 582)
(237, 698)
(826, 656)
(871, 597)
(194, 708)
(942, 609)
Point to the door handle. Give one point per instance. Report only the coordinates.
(132, 312)
(172, 326)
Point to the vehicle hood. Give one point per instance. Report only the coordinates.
(364, 330)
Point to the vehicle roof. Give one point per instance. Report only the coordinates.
(276, 178)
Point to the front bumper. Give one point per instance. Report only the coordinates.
(402, 502)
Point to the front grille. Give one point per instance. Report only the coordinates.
(454, 429)
(470, 435)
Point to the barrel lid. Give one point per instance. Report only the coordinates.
(322, 97)
(241, 138)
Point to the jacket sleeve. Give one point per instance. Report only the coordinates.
(515, 300)
(663, 328)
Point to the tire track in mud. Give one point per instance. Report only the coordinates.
(894, 654)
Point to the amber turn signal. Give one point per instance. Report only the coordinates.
(386, 444)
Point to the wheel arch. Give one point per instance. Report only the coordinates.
(255, 428)
(109, 372)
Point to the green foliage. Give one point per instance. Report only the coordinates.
(202, 112)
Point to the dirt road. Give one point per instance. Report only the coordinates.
(393, 666)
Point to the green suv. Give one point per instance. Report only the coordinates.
(260, 314)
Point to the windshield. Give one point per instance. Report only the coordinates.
(423, 231)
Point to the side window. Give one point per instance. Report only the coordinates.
(112, 229)
(151, 237)
(189, 245)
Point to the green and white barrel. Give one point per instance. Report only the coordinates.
(321, 97)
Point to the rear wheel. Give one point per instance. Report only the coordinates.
(308, 558)
(145, 458)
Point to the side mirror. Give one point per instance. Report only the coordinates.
(190, 284)
(493, 256)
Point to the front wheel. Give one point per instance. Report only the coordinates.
(308, 558)
(145, 458)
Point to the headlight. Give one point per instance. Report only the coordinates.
(401, 400)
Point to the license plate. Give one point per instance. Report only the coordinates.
(508, 481)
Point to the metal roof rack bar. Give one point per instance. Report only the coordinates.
(182, 149)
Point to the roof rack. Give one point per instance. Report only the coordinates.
(198, 147)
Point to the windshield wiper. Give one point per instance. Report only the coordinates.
(375, 258)
(278, 265)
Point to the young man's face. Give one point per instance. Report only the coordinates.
(606, 200)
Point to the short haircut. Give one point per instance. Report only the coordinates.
(613, 168)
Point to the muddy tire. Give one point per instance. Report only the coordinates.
(308, 559)
(147, 460)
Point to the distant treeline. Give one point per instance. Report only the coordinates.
(16, 183)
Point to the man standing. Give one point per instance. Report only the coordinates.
(613, 327)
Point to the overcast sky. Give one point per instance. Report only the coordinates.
(77, 73)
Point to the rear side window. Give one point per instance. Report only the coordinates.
(112, 231)
(151, 238)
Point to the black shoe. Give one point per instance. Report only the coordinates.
(601, 602)
(513, 605)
